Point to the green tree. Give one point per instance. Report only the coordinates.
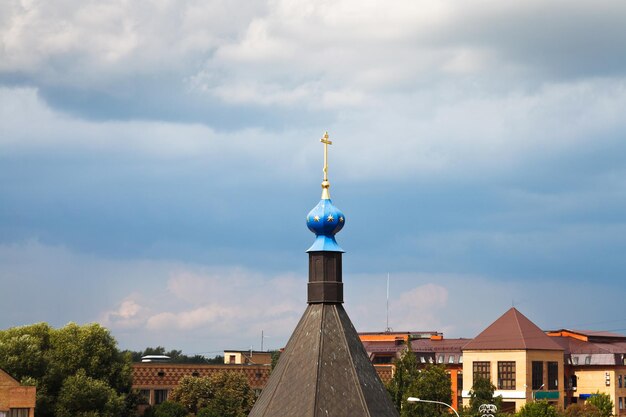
(537, 409)
(207, 412)
(47, 357)
(83, 396)
(482, 393)
(193, 392)
(581, 410)
(233, 395)
(275, 358)
(225, 394)
(603, 403)
(433, 383)
(405, 375)
(169, 409)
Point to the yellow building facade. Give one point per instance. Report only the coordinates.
(511, 372)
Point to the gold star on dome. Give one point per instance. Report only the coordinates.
(341, 220)
(316, 218)
(330, 218)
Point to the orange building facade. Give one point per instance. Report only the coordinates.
(16, 400)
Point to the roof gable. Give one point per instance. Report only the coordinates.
(8, 379)
(512, 331)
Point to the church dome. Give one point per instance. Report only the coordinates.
(325, 220)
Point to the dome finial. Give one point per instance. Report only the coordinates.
(325, 220)
(325, 183)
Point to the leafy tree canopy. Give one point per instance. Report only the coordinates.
(582, 410)
(405, 375)
(603, 403)
(169, 409)
(224, 394)
(430, 382)
(537, 409)
(433, 383)
(83, 396)
(482, 393)
(45, 357)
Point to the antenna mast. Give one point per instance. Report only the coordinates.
(387, 329)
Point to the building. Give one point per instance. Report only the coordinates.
(562, 366)
(16, 400)
(446, 352)
(522, 361)
(385, 347)
(244, 357)
(155, 381)
(594, 362)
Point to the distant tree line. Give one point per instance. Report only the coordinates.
(176, 356)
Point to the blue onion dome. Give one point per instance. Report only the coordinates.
(325, 220)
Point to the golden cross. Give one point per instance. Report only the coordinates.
(326, 142)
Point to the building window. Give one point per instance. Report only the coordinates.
(3, 414)
(160, 395)
(232, 359)
(621, 403)
(440, 359)
(451, 359)
(575, 360)
(587, 360)
(145, 394)
(537, 374)
(619, 381)
(460, 358)
(422, 359)
(18, 412)
(381, 359)
(506, 375)
(553, 375)
(482, 370)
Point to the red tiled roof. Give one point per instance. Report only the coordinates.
(581, 347)
(597, 333)
(443, 345)
(512, 331)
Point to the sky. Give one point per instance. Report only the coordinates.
(158, 159)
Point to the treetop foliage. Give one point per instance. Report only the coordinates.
(538, 409)
(410, 380)
(224, 394)
(482, 393)
(603, 403)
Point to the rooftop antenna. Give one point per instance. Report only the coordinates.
(388, 329)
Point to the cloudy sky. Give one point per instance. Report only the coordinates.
(158, 159)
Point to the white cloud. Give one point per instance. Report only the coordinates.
(128, 315)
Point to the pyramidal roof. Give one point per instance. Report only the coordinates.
(324, 371)
(512, 331)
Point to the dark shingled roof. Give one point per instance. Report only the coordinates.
(512, 331)
(324, 372)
